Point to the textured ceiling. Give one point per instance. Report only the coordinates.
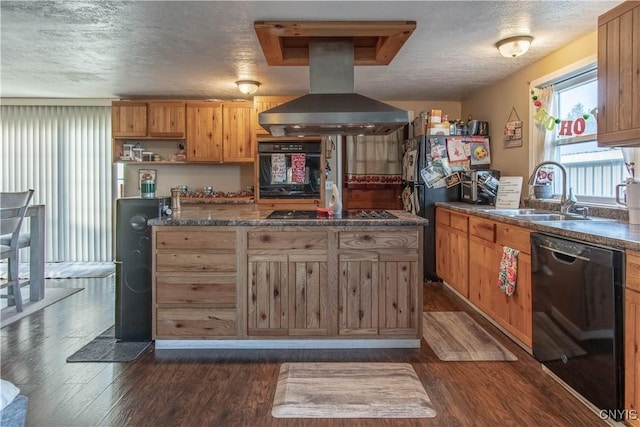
(115, 49)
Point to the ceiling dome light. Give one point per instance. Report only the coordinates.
(247, 87)
(514, 46)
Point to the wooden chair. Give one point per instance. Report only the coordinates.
(13, 207)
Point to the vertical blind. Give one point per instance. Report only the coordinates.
(63, 153)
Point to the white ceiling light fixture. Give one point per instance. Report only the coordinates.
(247, 87)
(514, 46)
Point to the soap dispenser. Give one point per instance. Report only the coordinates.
(335, 204)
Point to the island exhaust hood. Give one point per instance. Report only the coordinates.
(332, 107)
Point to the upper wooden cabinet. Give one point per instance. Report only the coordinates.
(619, 76)
(237, 132)
(148, 119)
(204, 132)
(214, 132)
(264, 103)
(166, 119)
(128, 119)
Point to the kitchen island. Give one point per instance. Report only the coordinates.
(229, 277)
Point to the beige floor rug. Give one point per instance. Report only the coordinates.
(551, 342)
(350, 390)
(9, 315)
(455, 336)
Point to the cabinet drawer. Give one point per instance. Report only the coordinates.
(286, 240)
(443, 217)
(195, 262)
(201, 289)
(378, 239)
(632, 280)
(460, 222)
(195, 322)
(482, 228)
(514, 237)
(196, 239)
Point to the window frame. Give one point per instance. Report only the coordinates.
(557, 77)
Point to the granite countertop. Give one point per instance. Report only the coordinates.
(615, 233)
(253, 215)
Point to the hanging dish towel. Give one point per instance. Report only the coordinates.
(298, 170)
(278, 168)
(508, 274)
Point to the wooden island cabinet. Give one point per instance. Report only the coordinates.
(256, 281)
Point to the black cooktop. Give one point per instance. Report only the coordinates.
(351, 214)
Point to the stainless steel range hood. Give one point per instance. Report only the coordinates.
(332, 107)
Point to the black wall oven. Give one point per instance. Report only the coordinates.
(290, 169)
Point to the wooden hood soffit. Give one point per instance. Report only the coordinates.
(374, 42)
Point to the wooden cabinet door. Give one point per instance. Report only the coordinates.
(268, 296)
(618, 77)
(287, 295)
(377, 294)
(632, 355)
(264, 103)
(459, 261)
(167, 119)
(128, 119)
(308, 296)
(520, 303)
(442, 249)
(400, 284)
(358, 294)
(204, 132)
(483, 272)
(452, 250)
(238, 137)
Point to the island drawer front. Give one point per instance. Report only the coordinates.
(195, 262)
(195, 322)
(513, 237)
(286, 240)
(202, 239)
(202, 289)
(443, 216)
(482, 228)
(379, 239)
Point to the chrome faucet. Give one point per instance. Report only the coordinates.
(566, 202)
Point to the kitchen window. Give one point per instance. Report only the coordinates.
(571, 136)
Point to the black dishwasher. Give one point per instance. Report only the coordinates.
(577, 295)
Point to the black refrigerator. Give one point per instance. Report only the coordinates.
(427, 148)
(133, 266)
(426, 197)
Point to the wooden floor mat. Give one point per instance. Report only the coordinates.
(350, 390)
(455, 336)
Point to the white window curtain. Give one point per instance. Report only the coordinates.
(374, 159)
(544, 140)
(63, 153)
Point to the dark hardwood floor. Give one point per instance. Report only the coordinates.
(236, 387)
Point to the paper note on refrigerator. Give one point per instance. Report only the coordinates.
(509, 192)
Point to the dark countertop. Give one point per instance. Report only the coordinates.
(601, 231)
(253, 215)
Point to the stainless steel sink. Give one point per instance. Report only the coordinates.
(530, 214)
(512, 212)
(551, 217)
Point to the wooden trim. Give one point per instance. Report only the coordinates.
(375, 42)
